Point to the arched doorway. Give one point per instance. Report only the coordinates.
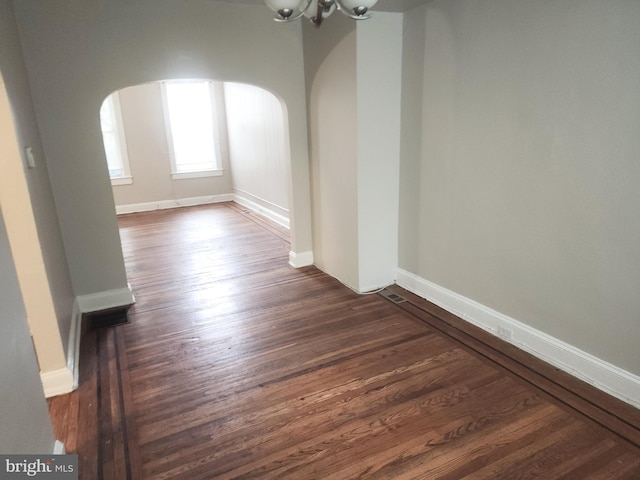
(155, 135)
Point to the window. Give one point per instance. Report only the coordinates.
(115, 145)
(190, 116)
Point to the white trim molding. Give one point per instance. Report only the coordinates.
(198, 174)
(300, 259)
(57, 382)
(272, 212)
(166, 204)
(262, 207)
(95, 302)
(65, 380)
(609, 378)
(58, 448)
(117, 181)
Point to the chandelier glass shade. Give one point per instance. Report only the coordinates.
(318, 10)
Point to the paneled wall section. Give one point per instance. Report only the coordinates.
(258, 142)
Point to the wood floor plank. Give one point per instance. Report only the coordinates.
(313, 419)
(88, 445)
(131, 451)
(234, 365)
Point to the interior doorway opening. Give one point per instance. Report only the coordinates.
(174, 143)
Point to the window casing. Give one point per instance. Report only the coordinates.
(192, 128)
(115, 143)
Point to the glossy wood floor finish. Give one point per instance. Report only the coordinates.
(236, 366)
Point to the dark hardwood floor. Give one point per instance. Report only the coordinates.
(236, 366)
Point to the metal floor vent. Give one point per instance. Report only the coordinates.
(394, 297)
(108, 318)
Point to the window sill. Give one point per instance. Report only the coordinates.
(121, 181)
(204, 173)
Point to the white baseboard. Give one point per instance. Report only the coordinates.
(165, 204)
(241, 198)
(57, 382)
(58, 448)
(265, 209)
(104, 300)
(300, 259)
(66, 380)
(607, 377)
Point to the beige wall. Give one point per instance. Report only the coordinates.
(24, 417)
(333, 126)
(529, 166)
(30, 212)
(17, 211)
(379, 63)
(148, 150)
(78, 52)
(258, 147)
(253, 148)
(411, 137)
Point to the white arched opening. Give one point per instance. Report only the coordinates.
(250, 161)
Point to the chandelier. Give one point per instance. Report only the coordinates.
(318, 10)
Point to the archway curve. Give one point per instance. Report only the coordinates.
(252, 137)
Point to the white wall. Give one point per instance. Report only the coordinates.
(411, 102)
(379, 63)
(76, 53)
(529, 167)
(258, 147)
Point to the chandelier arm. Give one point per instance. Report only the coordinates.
(317, 20)
(343, 10)
(324, 9)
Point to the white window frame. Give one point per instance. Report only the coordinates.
(217, 164)
(125, 178)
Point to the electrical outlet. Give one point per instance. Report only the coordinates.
(505, 333)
